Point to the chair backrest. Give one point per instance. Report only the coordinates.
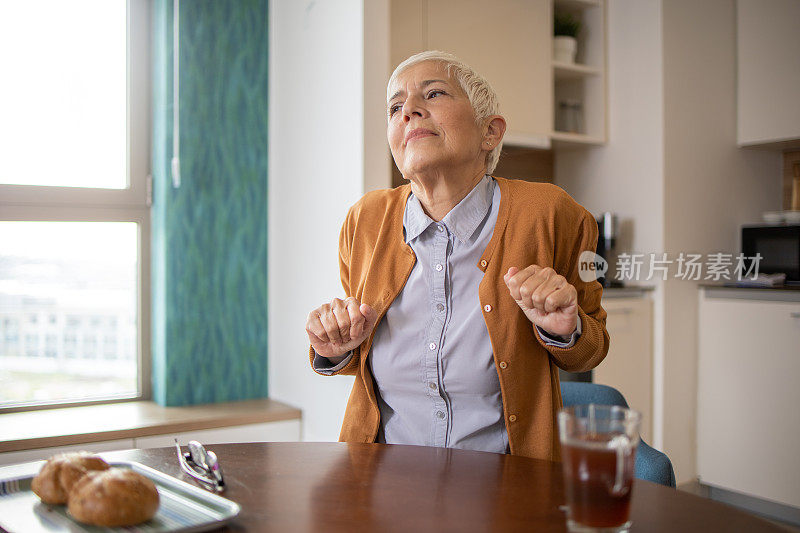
(651, 464)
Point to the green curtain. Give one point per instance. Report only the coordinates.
(209, 236)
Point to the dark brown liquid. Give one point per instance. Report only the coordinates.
(589, 473)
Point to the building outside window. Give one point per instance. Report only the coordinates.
(74, 215)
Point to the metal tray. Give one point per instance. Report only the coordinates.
(183, 507)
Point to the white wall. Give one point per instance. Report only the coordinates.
(673, 170)
(627, 174)
(316, 154)
(711, 189)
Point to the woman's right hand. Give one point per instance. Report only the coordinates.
(340, 326)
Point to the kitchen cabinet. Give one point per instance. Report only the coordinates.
(515, 60)
(768, 73)
(628, 367)
(510, 43)
(748, 429)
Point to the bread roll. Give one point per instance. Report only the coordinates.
(61, 472)
(114, 498)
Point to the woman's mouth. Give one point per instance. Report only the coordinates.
(418, 133)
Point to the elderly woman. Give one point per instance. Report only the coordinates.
(462, 289)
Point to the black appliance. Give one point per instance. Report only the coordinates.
(779, 247)
(607, 228)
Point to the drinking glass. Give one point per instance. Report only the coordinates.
(598, 447)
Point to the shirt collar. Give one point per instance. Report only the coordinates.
(462, 220)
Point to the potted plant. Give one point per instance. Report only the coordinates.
(565, 31)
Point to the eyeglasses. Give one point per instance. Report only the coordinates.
(201, 465)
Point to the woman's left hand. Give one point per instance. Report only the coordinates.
(546, 298)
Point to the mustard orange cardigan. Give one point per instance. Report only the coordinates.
(537, 223)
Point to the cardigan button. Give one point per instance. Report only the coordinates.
(503, 365)
(487, 308)
(484, 263)
(512, 418)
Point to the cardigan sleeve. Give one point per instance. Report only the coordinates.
(592, 345)
(345, 245)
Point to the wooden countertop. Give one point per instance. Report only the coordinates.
(80, 425)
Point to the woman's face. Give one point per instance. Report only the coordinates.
(431, 122)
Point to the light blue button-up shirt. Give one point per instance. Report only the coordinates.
(432, 358)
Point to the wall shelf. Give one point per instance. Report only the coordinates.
(577, 4)
(567, 71)
(582, 84)
(563, 139)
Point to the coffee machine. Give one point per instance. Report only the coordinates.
(608, 227)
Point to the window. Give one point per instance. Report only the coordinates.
(74, 215)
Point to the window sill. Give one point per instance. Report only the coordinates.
(80, 425)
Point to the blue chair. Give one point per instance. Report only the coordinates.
(651, 464)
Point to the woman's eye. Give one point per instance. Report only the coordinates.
(435, 92)
(393, 109)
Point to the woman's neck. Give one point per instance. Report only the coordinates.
(439, 193)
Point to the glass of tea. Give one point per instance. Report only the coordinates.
(598, 447)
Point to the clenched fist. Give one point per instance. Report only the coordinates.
(546, 298)
(340, 326)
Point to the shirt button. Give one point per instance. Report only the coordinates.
(512, 418)
(503, 365)
(487, 308)
(484, 263)
(440, 228)
(432, 346)
(439, 414)
(432, 385)
(439, 267)
(439, 307)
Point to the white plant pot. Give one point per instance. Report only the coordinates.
(564, 49)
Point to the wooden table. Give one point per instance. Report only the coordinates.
(332, 487)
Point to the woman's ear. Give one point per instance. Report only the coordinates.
(495, 129)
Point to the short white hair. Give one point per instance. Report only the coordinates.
(481, 96)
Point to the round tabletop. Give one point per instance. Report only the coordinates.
(321, 486)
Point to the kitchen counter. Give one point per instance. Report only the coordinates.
(783, 293)
(629, 291)
(746, 350)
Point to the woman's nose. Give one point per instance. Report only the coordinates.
(413, 107)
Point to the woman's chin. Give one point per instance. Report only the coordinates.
(421, 164)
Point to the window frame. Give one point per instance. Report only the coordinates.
(132, 204)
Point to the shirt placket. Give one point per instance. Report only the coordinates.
(435, 339)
